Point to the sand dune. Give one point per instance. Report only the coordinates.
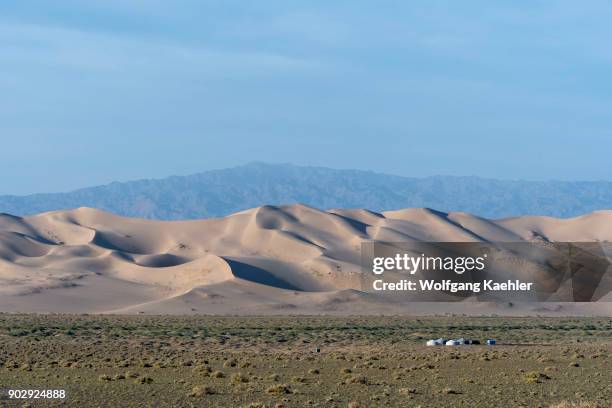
(282, 260)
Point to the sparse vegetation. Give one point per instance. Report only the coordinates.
(201, 390)
(535, 377)
(239, 378)
(580, 404)
(143, 361)
(279, 389)
(217, 374)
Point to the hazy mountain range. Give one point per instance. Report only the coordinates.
(222, 192)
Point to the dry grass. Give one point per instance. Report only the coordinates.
(581, 404)
(201, 390)
(279, 389)
(143, 361)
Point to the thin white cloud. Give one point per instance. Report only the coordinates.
(24, 44)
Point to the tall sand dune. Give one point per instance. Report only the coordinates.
(268, 260)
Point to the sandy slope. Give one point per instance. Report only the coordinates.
(291, 259)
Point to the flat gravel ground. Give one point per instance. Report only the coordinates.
(161, 361)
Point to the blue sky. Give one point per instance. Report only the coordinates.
(97, 91)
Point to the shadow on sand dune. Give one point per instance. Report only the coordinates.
(254, 274)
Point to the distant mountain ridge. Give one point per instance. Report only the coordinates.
(221, 192)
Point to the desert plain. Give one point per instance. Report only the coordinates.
(298, 361)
